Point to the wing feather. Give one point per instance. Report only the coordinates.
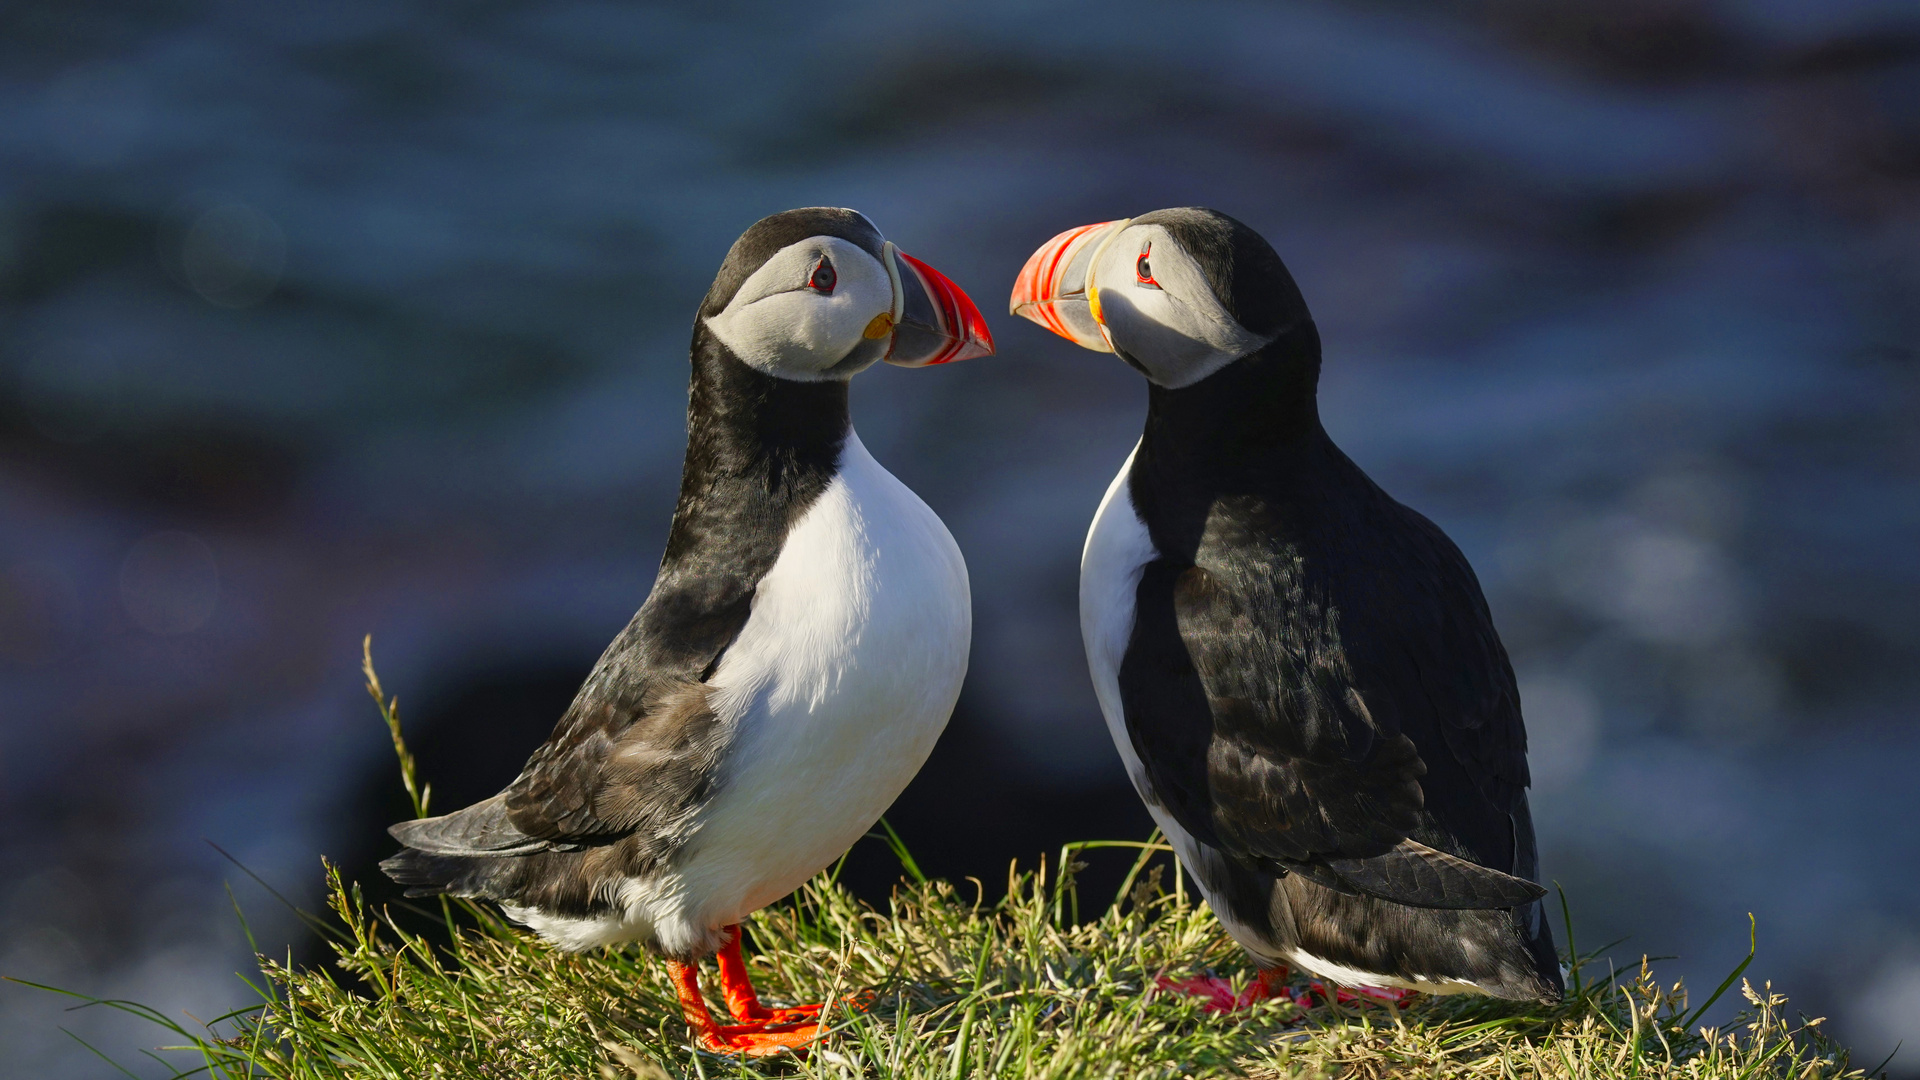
(1298, 744)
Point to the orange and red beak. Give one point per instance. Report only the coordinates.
(933, 321)
(1056, 290)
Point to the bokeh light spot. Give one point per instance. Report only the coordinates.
(233, 255)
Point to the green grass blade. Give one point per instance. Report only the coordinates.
(899, 848)
(97, 1053)
(1753, 946)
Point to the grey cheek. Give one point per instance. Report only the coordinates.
(1160, 349)
(863, 356)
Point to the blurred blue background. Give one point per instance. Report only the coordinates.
(324, 319)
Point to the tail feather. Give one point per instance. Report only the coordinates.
(1417, 875)
(1535, 928)
(458, 854)
(427, 874)
(480, 829)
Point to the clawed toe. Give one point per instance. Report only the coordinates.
(1379, 995)
(760, 1030)
(768, 1014)
(1218, 994)
(759, 1040)
(1195, 986)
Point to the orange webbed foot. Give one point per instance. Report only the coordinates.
(1219, 995)
(744, 1002)
(755, 1012)
(762, 1030)
(759, 1040)
(1216, 993)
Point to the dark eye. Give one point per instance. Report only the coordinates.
(1143, 271)
(823, 277)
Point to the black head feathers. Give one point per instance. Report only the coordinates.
(1246, 275)
(775, 232)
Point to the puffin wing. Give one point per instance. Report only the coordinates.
(638, 758)
(1458, 661)
(636, 752)
(1307, 769)
(639, 747)
(1297, 767)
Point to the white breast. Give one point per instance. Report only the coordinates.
(839, 684)
(1118, 550)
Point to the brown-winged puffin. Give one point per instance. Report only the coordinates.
(800, 652)
(1301, 673)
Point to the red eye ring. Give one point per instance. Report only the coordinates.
(1142, 271)
(823, 278)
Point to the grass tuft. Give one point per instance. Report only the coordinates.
(954, 988)
(1029, 986)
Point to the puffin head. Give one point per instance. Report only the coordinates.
(818, 294)
(1178, 294)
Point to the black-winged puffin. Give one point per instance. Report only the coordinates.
(800, 652)
(1301, 673)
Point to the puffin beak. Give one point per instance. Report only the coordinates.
(933, 321)
(1054, 289)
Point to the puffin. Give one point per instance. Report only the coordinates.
(1300, 673)
(800, 651)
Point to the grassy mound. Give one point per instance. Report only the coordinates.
(953, 987)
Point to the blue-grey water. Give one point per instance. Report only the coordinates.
(326, 319)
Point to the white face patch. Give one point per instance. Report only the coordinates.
(782, 324)
(1173, 324)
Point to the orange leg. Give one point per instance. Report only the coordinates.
(757, 1039)
(742, 1000)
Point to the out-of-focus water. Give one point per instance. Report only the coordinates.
(326, 319)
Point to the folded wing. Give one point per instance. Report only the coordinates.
(1267, 735)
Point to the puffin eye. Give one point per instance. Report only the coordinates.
(823, 277)
(1143, 271)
